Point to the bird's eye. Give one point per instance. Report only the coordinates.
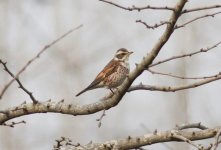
(120, 56)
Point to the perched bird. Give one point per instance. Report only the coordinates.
(113, 74)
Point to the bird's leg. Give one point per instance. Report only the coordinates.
(112, 91)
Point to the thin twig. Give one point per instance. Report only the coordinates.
(139, 8)
(12, 124)
(153, 26)
(195, 19)
(63, 142)
(35, 57)
(175, 134)
(180, 77)
(200, 8)
(19, 82)
(202, 50)
(191, 125)
(216, 142)
(101, 117)
(171, 88)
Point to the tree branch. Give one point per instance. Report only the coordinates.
(197, 18)
(64, 142)
(216, 142)
(12, 124)
(149, 139)
(18, 81)
(101, 117)
(180, 77)
(175, 88)
(153, 26)
(200, 8)
(202, 50)
(35, 57)
(177, 135)
(191, 125)
(60, 107)
(177, 26)
(138, 8)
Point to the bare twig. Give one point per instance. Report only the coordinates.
(202, 50)
(12, 124)
(35, 57)
(200, 8)
(19, 82)
(63, 142)
(175, 88)
(191, 125)
(100, 119)
(139, 8)
(177, 26)
(153, 26)
(180, 77)
(197, 18)
(59, 143)
(216, 142)
(175, 134)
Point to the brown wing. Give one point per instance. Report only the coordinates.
(108, 70)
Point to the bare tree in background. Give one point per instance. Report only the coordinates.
(187, 133)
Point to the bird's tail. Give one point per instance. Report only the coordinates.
(84, 90)
(92, 86)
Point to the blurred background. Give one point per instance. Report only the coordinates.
(71, 64)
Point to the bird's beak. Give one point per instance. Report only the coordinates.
(130, 53)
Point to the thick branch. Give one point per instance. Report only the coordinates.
(60, 107)
(177, 135)
(101, 105)
(149, 139)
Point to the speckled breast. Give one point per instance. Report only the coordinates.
(118, 77)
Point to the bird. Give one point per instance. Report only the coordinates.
(113, 74)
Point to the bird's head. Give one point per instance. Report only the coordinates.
(122, 55)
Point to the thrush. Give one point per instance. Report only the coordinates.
(113, 74)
